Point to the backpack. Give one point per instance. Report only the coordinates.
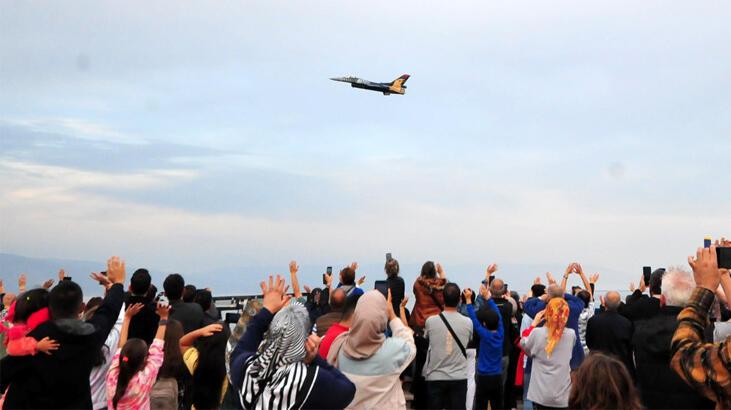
(164, 394)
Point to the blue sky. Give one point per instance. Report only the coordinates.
(197, 136)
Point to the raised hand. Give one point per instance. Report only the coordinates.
(354, 266)
(211, 329)
(643, 285)
(2, 286)
(61, 275)
(705, 268)
(115, 270)
(491, 270)
(485, 292)
(594, 278)
(632, 287)
(22, 281)
(275, 297)
(308, 289)
(570, 269)
(133, 310)
(578, 269)
(103, 280)
(404, 302)
(329, 280)
(361, 280)
(537, 280)
(440, 270)
(550, 278)
(293, 267)
(312, 346)
(47, 284)
(163, 310)
(389, 300)
(47, 345)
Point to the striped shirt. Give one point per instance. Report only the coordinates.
(704, 366)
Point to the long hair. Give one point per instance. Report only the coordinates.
(172, 363)
(429, 270)
(557, 314)
(605, 384)
(211, 370)
(131, 360)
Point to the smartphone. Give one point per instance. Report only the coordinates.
(103, 273)
(707, 242)
(67, 278)
(329, 270)
(388, 257)
(382, 286)
(162, 299)
(724, 257)
(489, 281)
(646, 273)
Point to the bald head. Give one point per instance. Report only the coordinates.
(497, 288)
(337, 299)
(613, 300)
(554, 291)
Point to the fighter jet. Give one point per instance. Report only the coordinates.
(394, 87)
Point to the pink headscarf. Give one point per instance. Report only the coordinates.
(366, 334)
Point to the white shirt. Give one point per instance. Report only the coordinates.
(98, 376)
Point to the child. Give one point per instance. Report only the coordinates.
(489, 362)
(134, 370)
(25, 314)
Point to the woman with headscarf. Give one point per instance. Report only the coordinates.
(275, 364)
(372, 361)
(550, 348)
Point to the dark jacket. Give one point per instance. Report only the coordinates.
(331, 390)
(190, 315)
(660, 386)
(144, 324)
(639, 306)
(61, 380)
(509, 331)
(397, 286)
(611, 333)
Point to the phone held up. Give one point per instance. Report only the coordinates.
(388, 257)
(723, 253)
(646, 273)
(325, 275)
(161, 299)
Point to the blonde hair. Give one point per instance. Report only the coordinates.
(557, 314)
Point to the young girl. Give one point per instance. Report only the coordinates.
(25, 314)
(134, 369)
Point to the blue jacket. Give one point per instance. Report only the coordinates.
(534, 305)
(489, 361)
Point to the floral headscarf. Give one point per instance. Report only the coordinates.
(557, 314)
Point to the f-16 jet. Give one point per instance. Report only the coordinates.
(394, 87)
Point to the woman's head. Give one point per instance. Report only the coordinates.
(211, 370)
(29, 303)
(391, 268)
(315, 297)
(131, 360)
(556, 316)
(172, 364)
(429, 270)
(368, 325)
(605, 384)
(585, 297)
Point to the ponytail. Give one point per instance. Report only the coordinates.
(131, 360)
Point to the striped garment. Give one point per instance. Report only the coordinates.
(704, 366)
(276, 377)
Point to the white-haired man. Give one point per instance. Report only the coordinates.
(660, 386)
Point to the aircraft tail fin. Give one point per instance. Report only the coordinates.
(400, 81)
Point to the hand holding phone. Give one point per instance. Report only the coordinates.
(646, 274)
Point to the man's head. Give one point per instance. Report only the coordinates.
(204, 298)
(189, 293)
(612, 300)
(554, 291)
(337, 300)
(347, 276)
(585, 297)
(174, 285)
(538, 290)
(350, 303)
(677, 286)
(392, 268)
(488, 318)
(140, 282)
(497, 288)
(66, 300)
(656, 282)
(451, 295)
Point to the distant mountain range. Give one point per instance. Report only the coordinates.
(245, 280)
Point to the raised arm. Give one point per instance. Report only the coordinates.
(293, 269)
(187, 341)
(690, 354)
(479, 329)
(402, 310)
(107, 314)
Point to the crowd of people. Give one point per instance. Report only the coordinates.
(342, 346)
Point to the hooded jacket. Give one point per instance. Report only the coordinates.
(61, 380)
(429, 300)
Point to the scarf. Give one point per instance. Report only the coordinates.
(557, 314)
(276, 377)
(366, 334)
